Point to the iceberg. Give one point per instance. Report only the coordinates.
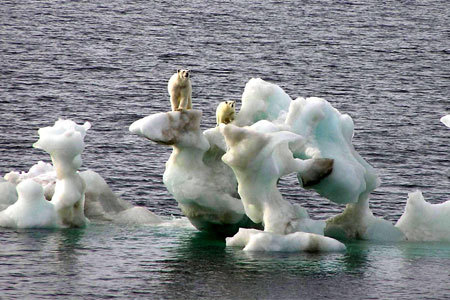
(325, 134)
(423, 221)
(225, 178)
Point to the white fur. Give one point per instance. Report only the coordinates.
(225, 112)
(180, 90)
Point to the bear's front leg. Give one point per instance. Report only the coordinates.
(184, 103)
(173, 103)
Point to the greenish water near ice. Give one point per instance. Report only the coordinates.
(106, 261)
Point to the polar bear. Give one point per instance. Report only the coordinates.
(180, 90)
(225, 112)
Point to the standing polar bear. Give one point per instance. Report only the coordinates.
(225, 112)
(180, 90)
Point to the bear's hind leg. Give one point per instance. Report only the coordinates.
(189, 106)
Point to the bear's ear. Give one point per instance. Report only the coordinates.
(178, 71)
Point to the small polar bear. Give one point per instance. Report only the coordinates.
(225, 112)
(180, 90)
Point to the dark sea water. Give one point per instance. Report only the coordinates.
(386, 64)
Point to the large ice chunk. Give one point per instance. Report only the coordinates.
(204, 187)
(325, 133)
(64, 142)
(328, 133)
(259, 160)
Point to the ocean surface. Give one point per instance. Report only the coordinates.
(386, 64)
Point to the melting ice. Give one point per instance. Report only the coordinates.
(225, 178)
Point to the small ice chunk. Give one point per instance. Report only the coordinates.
(256, 240)
(31, 210)
(423, 221)
(446, 120)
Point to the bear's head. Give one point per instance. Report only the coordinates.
(230, 104)
(184, 74)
